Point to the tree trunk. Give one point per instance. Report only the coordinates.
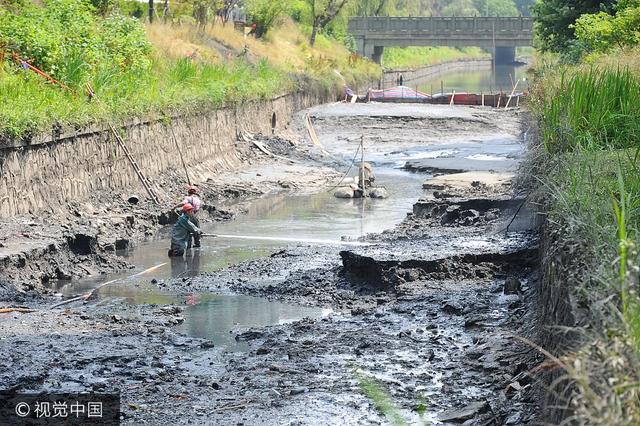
(165, 11)
(151, 11)
(314, 33)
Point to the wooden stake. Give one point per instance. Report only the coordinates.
(512, 92)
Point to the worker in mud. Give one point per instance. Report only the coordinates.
(182, 231)
(364, 180)
(365, 176)
(195, 201)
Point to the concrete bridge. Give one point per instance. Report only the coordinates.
(500, 34)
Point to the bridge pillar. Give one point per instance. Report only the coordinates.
(360, 46)
(373, 52)
(377, 54)
(504, 55)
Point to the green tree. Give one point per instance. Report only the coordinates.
(323, 12)
(524, 6)
(555, 20)
(264, 13)
(461, 8)
(102, 7)
(370, 8)
(602, 32)
(496, 8)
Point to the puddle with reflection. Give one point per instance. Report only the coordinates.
(475, 80)
(319, 216)
(214, 316)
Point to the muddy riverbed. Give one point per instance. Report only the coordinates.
(414, 319)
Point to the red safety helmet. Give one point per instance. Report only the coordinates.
(187, 208)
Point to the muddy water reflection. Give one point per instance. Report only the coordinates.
(214, 316)
(317, 216)
(475, 80)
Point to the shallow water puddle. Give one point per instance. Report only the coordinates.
(216, 316)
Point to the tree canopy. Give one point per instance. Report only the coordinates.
(555, 20)
(601, 32)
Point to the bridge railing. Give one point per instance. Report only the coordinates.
(439, 25)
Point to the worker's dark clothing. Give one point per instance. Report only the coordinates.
(196, 202)
(181, 235)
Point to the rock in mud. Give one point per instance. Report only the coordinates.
(512, 285)
(459, 415)
(378, 193)
(452, 307)
(249, 335)
(345, 192)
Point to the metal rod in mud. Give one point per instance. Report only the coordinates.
(290, 240)
(362, 165)
(87, 295)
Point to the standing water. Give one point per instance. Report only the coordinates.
(502, 79)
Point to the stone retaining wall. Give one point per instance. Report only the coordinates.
(45, 173)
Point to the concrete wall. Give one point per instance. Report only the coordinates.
(45, 173)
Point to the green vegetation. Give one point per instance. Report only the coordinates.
(31, 105)
(593, 110)
(137, 70)
(187, 60)
(590, 132)
(589, 115)
(602, 32)
(555, 20)
(415, 57)
(381, 399)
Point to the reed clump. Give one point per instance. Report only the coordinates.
(589, 119)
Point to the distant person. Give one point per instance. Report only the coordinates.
(348, 93)
(195, 201)
(182, 231)
(252, 31)
(400, 80)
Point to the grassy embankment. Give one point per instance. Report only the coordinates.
(137, 70)
(590, 132)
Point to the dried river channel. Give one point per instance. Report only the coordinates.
(299, 328)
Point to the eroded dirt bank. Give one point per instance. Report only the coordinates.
(427, 310)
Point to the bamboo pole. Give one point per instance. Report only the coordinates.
(512, 92)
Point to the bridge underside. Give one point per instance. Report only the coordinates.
(373, 48)
(500, 35)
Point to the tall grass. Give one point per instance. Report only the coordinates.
(594, 109)
(28, 104)
(590, 128)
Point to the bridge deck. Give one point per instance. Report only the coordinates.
(361, 26)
